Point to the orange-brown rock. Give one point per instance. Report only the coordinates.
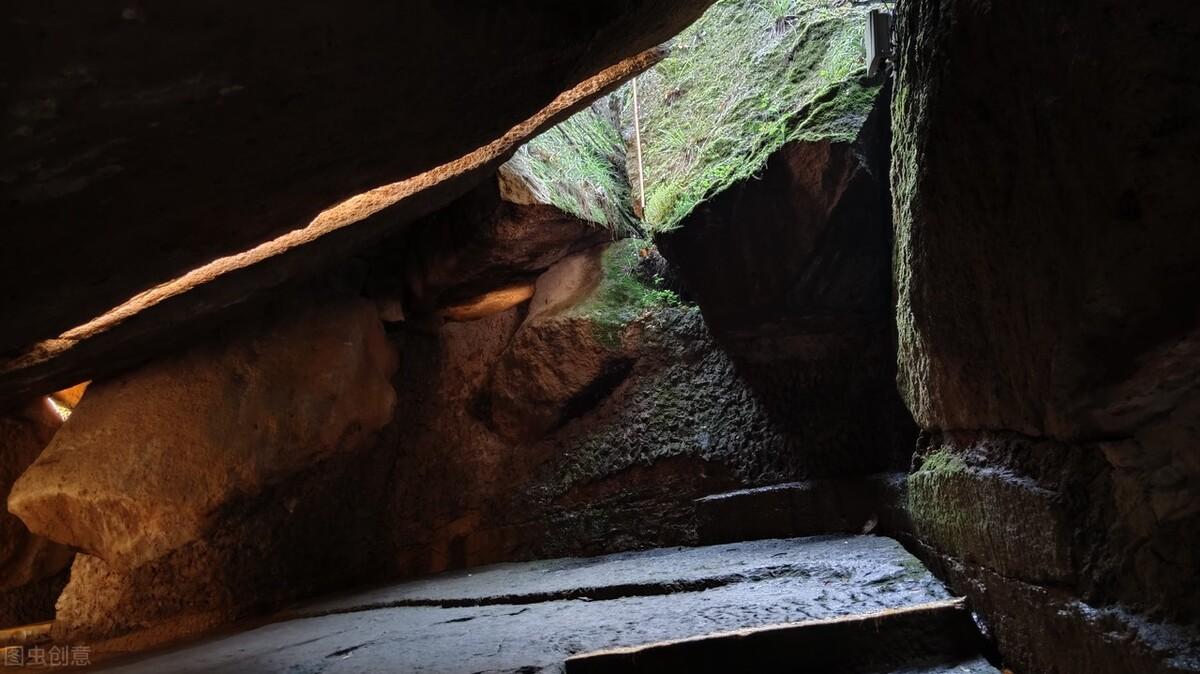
(149, 458)
(25, 557)
(533, 384)
(479, 244)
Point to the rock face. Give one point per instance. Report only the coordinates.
(317, 531)
(791, 272)
(479, 243)
(1046, 268)
(30, 565)
(570, 455)
(531, 387)
(277, 119)
(810, 240)
(151, 458)
(1049, 342)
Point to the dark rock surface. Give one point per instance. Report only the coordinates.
(1045, 266)
(479, 243)
(749, 584)
(1045, 257)
(808, 240)
(1047, 629)
(552, 454)
(791, 271)
(827, 506)
(197, 130)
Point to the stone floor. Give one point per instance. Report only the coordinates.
(530, 617)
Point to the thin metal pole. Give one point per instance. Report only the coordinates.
(637, 140)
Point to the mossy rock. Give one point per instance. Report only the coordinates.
(621, 297)
(745, 79)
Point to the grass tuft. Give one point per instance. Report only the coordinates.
(579, 166)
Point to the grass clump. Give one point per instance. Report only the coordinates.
(748, 77)
(621, 297)
(579, 166)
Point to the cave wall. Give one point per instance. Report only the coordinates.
(791, 271)
(606, 449)
(1049, 344)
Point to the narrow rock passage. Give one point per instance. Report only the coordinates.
(533, 616)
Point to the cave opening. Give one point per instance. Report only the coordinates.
(779, 335)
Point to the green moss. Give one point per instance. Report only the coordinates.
(943, 461)
(621, 297)
(579, 166)
(748, 77)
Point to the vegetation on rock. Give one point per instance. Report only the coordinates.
(579, 166)
(621, 296)
(748, 77)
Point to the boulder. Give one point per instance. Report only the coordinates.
(32, 567)
(26, 557)
(533, 384)
(807, 241)
(319, 530)
(152, 457)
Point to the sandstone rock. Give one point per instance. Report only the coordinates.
(481, 243)
(990, 517)
(492, 302)
(1044, 629)
(555, 356)
(319, 530)
(151, 457)
(25, 558)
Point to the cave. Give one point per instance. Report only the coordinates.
(831, 336)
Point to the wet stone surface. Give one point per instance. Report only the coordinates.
(531, 616)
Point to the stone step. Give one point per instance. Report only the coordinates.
(934, 637)
(533, 616)
(813, 507)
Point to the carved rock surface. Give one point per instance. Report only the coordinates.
(150, 458)
(1049, 338)
(1045, 218)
